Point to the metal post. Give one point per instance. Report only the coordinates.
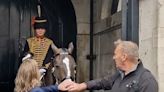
(91, 41)
(124, 20)
(133, 20)
(130, 20)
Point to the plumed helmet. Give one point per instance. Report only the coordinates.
(40, 22)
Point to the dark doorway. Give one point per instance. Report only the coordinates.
(15, 24)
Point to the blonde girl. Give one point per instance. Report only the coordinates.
(28, 76)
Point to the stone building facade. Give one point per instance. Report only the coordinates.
(107, 29)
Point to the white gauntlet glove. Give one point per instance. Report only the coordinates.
(42, 71)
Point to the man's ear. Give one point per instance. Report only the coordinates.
(124, 57)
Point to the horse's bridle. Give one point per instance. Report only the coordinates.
(64, 53)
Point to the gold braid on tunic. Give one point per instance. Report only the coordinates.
(39, 47)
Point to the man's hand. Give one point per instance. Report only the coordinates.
(76, 87)
(63, 86)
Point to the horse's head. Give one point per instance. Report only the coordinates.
(64, 64)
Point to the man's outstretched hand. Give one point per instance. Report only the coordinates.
(63, 86)
(77, 87)
(70, 86)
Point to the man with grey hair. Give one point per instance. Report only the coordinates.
(131, 76)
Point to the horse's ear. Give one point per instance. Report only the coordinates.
(54, 48)
(70, 47)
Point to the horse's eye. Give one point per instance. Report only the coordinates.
(57, 66)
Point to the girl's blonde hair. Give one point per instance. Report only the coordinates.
(27, 77)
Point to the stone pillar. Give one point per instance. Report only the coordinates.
(82, 9)
(148, 34)
(160, 29)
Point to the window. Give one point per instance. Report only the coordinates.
(105, 8)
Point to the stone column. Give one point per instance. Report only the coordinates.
(82, 9)
(148, 34)
(160, 29)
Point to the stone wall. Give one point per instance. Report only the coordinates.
(103, 39)
(104, 46)
(147, 34)
(160, 44)
(151, 35)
